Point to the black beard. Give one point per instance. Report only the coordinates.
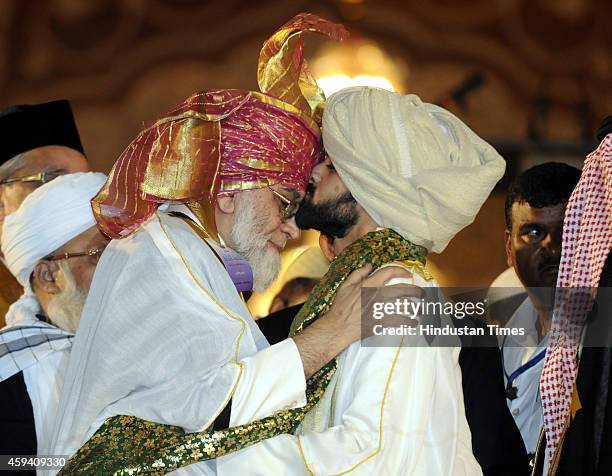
(334, 218)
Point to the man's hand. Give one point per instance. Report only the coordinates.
(331, 333)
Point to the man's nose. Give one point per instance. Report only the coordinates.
(552, 244)
(290, 229)
(317, 172)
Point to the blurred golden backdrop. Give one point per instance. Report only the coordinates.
(531, 76)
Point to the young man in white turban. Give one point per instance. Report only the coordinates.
(399, 174)
(51, 245)
(372, 410)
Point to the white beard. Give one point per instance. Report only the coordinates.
(65, 309)
(250, 242)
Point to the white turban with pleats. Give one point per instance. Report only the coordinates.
(48, 218)
(414, 167)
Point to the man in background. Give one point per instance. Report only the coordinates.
(298, 279)
(535, 206)
(52, 246)
(39, 142)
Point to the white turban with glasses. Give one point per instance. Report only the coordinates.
(48, 218)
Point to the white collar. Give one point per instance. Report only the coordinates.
(526, 317)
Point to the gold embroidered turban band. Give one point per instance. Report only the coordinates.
(223, 141)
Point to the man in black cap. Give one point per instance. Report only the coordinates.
(39, 142)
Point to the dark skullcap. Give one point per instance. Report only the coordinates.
(26, 127)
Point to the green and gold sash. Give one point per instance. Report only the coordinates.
(127, 445)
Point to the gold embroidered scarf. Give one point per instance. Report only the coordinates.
(127, 445)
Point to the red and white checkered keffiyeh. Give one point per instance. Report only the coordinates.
(587, 240)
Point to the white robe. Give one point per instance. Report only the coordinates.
(157, 329)
(166, 337)
(388, 411)
(41, 352)
(44, 382)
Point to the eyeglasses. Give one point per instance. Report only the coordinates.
(95, 253)
(288, 207)
(43, 177)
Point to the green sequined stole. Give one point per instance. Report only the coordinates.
(127, 445)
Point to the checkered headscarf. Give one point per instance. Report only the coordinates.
(587, 240)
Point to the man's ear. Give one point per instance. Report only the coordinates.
(43, 277)
(226, 204)
(508, 241)
(327, 246)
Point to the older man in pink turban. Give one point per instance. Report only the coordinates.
(165, 336)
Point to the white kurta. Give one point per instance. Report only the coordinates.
(388, 411)
(166, 337)
(41, 352)
(44, 382)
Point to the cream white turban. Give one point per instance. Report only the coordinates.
(414, 167)
(47, 219)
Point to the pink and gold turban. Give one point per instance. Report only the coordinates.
(223, 141)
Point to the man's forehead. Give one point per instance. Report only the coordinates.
(51, 158)
(33, 162)
(90, 237)
(522, 212)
